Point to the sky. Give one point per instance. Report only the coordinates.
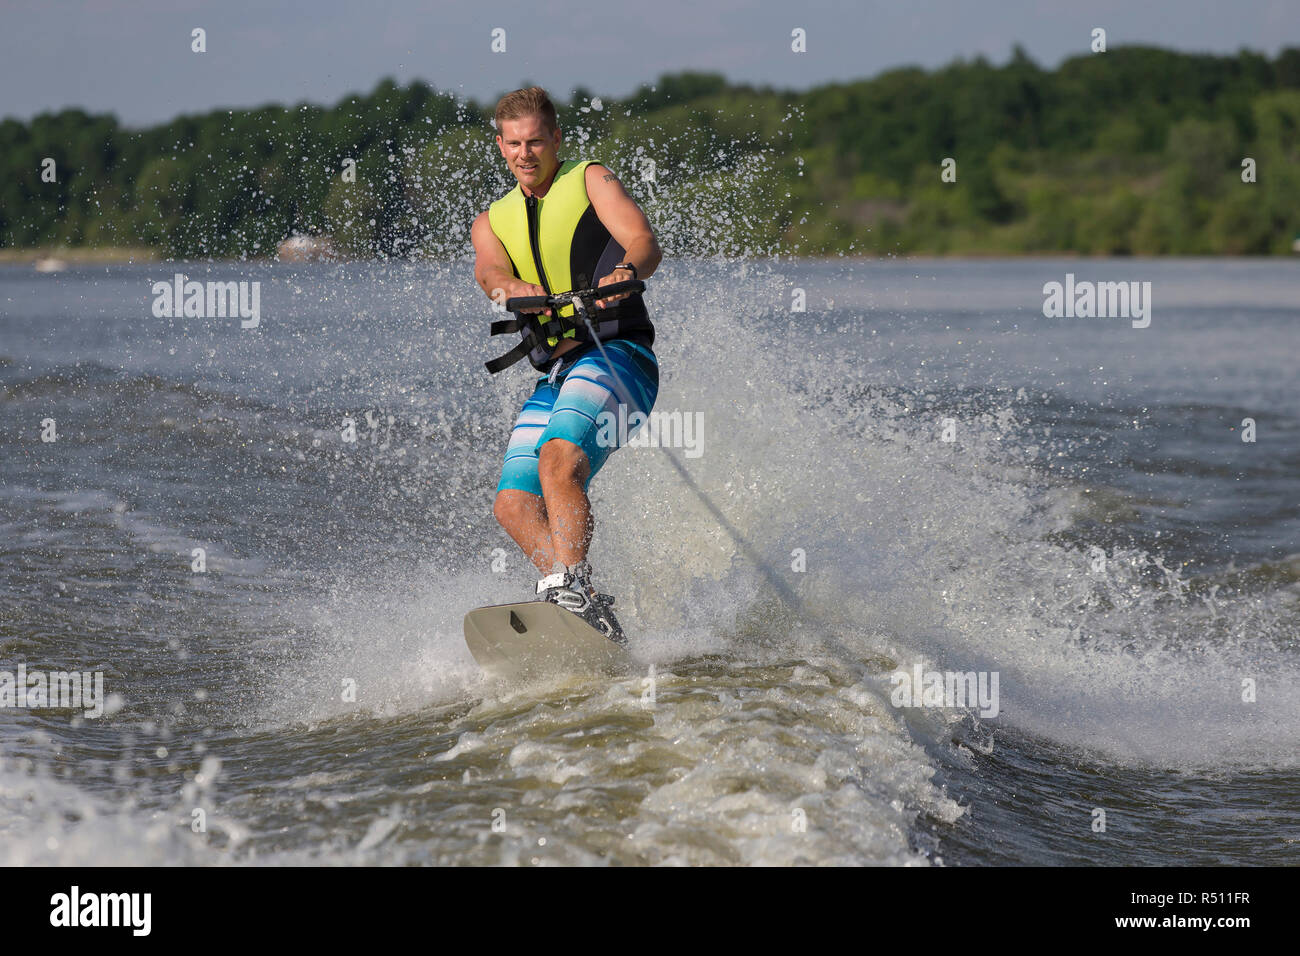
(133, 58)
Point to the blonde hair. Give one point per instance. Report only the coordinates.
(527, 102)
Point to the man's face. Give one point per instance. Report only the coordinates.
(530, 149)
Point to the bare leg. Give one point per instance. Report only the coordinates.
(523, 515)
(563, 468)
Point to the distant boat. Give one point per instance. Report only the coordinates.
(298, 248)
(50, 264)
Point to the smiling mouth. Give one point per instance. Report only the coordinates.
(525, 168)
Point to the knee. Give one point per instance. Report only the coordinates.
(562, 461)
(510, 510)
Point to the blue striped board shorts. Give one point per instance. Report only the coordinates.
(570, 407)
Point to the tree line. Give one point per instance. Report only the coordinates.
(1137, 150)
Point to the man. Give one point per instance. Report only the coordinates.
(567, 225)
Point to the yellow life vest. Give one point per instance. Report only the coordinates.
(559, 243)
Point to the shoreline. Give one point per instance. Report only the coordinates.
(80, 255)
(125, 255)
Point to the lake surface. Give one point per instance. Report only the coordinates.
(918, 472)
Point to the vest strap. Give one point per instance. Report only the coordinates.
(503, 362)
(535, 335)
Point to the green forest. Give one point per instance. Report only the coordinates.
(1137, 150)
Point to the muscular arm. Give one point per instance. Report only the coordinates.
(492, 268)
(624, 219)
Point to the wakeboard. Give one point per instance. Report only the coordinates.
(536, 639)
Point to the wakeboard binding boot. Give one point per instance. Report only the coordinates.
(570, 587)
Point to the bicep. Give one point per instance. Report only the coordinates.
(489, 253)
(617, 211)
